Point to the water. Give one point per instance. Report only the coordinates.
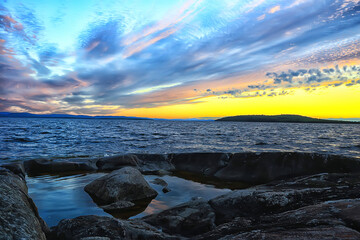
(29, 138)
(60, 197)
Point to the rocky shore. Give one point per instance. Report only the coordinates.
(292, 196)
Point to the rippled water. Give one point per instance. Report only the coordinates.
(28, 138)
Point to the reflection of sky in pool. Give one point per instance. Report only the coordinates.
(59, 197)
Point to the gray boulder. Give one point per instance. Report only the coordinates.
(188, 219)
(19, 218)
(98, 227)
(126, 184)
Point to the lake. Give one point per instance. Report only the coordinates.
(31, 138)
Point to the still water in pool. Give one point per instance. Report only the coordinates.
(59, 197)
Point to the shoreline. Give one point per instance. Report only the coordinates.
(280, 184)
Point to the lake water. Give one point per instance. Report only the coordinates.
(58, 197)
(29, 138)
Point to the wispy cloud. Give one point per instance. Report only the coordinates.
(112, 58)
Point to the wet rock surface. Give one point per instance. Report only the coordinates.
(118, 206)
(125, 184)
(41, 166)
(302, 196)
(202, 163)
(154, 163)
(265, 167)
(116, 162)
(187, 219)
(285, 195)
(163, 183)
(19, 218)
(96, 227)
(328, 220)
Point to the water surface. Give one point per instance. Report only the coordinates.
(29, 138)
(60, 197)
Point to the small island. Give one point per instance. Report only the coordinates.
(286, 118)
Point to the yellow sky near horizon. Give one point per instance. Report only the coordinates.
(324, 102)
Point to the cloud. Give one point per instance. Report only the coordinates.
(274, 9)
(160, 58)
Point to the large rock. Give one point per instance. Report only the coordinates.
(116, 162)
(285, 195)
(126, 184)
(323, 233)
(188, 219)
(339, 218)
(19, 218)
(97, 227)
(16, 168)
(266, 167)
(153, 163)
(41, 166)
(203, 163)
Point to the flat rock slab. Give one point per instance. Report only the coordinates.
(37, 167)
(187, 219)
(98, 227)
(125, 184)
(19, 218)
(203, 163)
(323, 233)
(336, 219)
(116, 162)
(262, 200)
(154, 163)
(265, 167)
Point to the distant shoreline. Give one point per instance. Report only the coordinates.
(284, 118)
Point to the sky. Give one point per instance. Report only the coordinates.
(181, 59)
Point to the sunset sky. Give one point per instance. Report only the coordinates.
(181, 59)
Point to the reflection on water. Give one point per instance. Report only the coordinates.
(63, 197)
(59, 197)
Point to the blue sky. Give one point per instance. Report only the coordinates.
(106, 57)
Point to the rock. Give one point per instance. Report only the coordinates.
(266, 167)
(284, 196)
(19, 218)
(188, 219)
(323, 233)
(16, 168)
(118, 206)
(98, 227)
(41, 166)
(308, 222)
(154, 163)
(204, 163)
(116, 162)
(166, 190)
(161, 182)
(126, 184)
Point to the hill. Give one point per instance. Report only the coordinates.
(30, 115)
(280, 118)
